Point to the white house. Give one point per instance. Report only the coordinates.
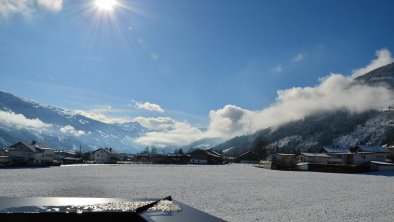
(361, 158)
(31, 153)
(390, 151)
(104, 155)
(43, 155)
(3, 152)
(339, 154)
(364, 154)
(314, 158)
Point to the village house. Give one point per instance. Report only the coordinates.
(171, 158)
(362, 158)
(247, 157)
(370, 149)
(390, 151)
(335, 149)
(105, 155)
(209, 156)
(68, 157)
(31, 153)
(280, 161)
(60, 154)
(339, 154)
(4, 158)
(364, 154)
(361, 155)
(314, 158)
(3, 152)
(142, 158)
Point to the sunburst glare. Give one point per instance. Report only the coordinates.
(105, 5)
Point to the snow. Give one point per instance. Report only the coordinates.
(83, 122)
(373, 131)
(234, 192)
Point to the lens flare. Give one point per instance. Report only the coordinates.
(105, 5)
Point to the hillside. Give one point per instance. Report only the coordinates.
(61, 128)
(328, 128)
(310, 134)
(382, 75)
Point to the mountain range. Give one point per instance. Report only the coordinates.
(340, 127)
(61, 128)
(23, 119)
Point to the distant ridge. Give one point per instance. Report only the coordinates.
(68, 130)
(382, 75)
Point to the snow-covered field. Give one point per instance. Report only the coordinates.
(232, 192)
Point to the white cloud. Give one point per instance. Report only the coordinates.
(21, 122)
(10, 7)
(105, 114)
(99, 114)
(71, 130)
(149, 106)
(334, 92)
(277, 69)
(298, 57)
(52, 5)
(27, 7)
(383, 58)
(171, 133)
(229, 121)
(155, 123)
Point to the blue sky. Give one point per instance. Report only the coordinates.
(187, 57)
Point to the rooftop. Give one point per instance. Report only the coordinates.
(336, 149)
(371, 149)
(316, 155)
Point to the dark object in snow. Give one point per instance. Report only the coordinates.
(147, 206)
(97, 209)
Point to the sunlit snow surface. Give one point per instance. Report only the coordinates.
(232, 192)
(162, 205)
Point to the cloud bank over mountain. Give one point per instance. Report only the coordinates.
(11, 119)
(334, 92)
(71, 130)
(383, 58)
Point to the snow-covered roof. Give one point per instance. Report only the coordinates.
(108, 150)
(371, 149)
(382, 163)
(302, 163)
(71, 158)
(208, 152)
(316, 155)
(336, 149)
(213, 153)
(32, 146)
(285, 154)
(247, 153)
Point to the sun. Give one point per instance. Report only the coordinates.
(105, 5)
